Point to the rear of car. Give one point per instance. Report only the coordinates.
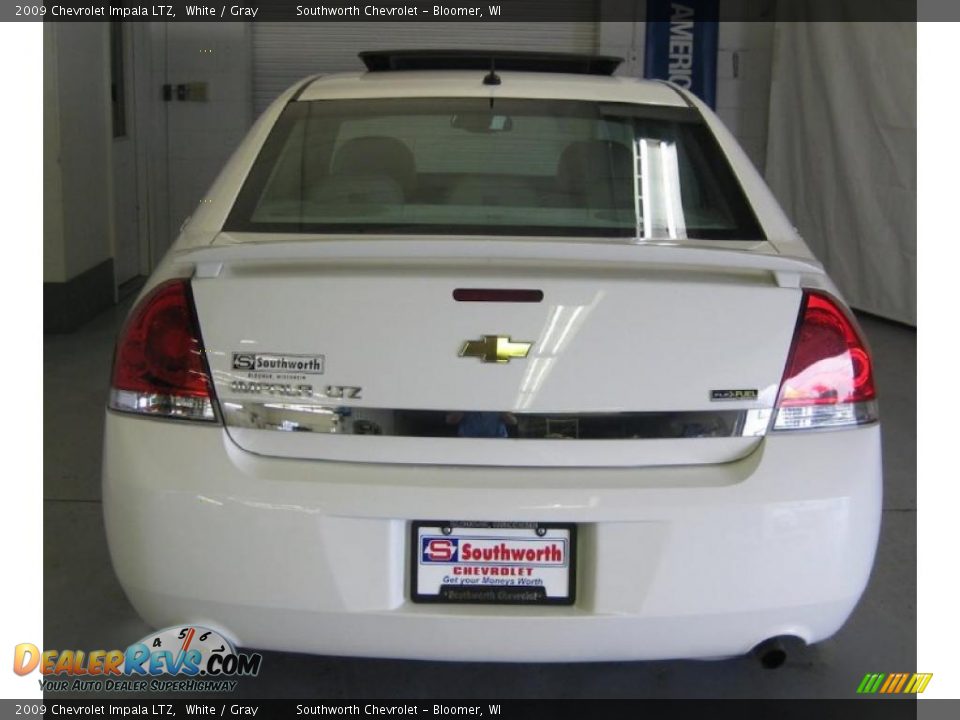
(532, 369)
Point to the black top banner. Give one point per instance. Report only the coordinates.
(467, 11)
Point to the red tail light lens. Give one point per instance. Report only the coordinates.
(160, 367)
(829, 376)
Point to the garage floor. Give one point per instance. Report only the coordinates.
(84, 607)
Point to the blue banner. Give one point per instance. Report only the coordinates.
(681, 45)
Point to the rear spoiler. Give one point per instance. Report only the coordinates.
(210, 260)
(492, 60)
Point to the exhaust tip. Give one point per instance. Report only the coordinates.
(771, 653)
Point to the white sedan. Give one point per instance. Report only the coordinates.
(492, 357)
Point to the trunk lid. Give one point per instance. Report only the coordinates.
(636, 355)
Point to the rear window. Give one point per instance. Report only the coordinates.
(468, 166)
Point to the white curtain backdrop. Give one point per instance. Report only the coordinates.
(842, 153)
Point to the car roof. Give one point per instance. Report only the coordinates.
(469, 83)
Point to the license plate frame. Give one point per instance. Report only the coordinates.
(517, 534)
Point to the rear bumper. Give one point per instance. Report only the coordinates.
(312, 556)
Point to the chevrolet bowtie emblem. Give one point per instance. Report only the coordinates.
(495, 349)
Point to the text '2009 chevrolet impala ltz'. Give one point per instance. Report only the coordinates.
(521, 363)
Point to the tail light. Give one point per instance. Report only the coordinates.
(160, 368)
(829, 376)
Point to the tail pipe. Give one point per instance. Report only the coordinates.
(771, 653)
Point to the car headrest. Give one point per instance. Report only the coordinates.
(376, 156)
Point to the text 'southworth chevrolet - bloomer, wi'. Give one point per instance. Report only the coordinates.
(492, 356)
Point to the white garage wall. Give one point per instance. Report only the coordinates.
(77, 183)
(286, 52)
(841, 155)
(744, 61)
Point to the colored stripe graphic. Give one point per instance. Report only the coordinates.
(893, 683)
(922, 680)
(890, 686)
(900, 682)
(870, 683)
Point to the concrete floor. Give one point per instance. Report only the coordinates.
(85, 608)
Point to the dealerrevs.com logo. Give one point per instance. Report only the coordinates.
(202, 659)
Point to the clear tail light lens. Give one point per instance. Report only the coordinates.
(829, 376)
(160, 368)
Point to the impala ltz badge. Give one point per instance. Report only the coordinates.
(495, 349)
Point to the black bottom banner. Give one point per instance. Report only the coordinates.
(861, 708)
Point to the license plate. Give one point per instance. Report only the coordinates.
(493, 563)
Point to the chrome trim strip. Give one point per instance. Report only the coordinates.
(350, 420)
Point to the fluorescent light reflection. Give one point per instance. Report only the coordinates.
(562, 325)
